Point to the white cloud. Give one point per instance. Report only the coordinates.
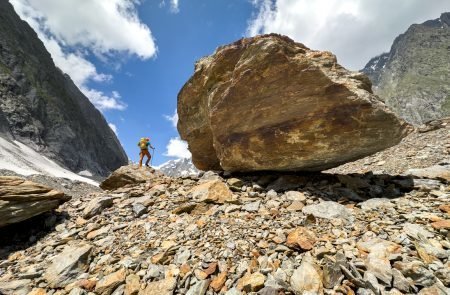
(113, 128)
(173, 119)
(70, 29)
(174, 6)
(177, 148)
(354, 30)
(103, 26)
(104, 102)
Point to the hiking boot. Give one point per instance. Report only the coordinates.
(147, 165)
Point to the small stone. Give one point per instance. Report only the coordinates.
(295, 206)
(376, 204)
(252, 282)
(132, 285)
(295, 196)
(329, 210)
(67, 265)
(441, 224)
(78, 291)
(436, 289)
(235, 182)
(400, 282)
(218, 282)
(271, 194)
(185, 208)
(182, 257)
(163, 287)
(445, 208)
(377, 261)
(99, 232)
(417, 271)
(38, 291)
(108, 283)
(96, 206)
(301, 238)
(213, 191)
(233, 291)
(307, 278)
(268, 291)
(139, 209)
(19, 287)
(199, 288)
(414, 230)
(251, 207)
(332, 274)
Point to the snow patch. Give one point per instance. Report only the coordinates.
(22, 159)
(85, 173)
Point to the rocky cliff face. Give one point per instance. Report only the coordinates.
(41, 106)
(269, 103)
(413, 78)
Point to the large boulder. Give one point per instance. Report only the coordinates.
(22, 199)
(129, 175)
(269, 103)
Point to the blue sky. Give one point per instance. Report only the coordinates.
(132, 57)
(150, 87)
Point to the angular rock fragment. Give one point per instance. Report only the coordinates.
(301, 238)
(269, 103)
(66, 266)
(108, 283)
(19, 287)
(329, 210)
(128, 175)
(22, 199)
(307, 278)
(377, 260)
(213, 191)
(96, 206)
(163, 287)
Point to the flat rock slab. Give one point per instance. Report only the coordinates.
(329, 210)
(436, 171)
(22, 199)
(269, 103)
(68, 265)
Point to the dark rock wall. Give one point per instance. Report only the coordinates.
(41, 106)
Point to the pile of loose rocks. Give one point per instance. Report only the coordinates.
(240, 234)
(426, 146)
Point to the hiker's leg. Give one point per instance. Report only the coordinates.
(148, 157)
(141, 155)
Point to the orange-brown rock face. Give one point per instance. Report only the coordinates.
(268, 103)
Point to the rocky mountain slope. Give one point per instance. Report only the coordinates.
(42, 108)
(424, 147)
(312, 233)
(413, 78)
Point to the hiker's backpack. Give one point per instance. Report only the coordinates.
(142, 144)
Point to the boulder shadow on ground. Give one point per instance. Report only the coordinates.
(24, 234)
(339, 187)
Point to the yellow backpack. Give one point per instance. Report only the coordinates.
(143, 144)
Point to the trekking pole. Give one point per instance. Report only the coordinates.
(151, 159)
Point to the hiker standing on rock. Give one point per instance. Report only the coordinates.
(144, 144)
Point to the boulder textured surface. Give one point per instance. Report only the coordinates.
(22, 199)
(269, 103)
